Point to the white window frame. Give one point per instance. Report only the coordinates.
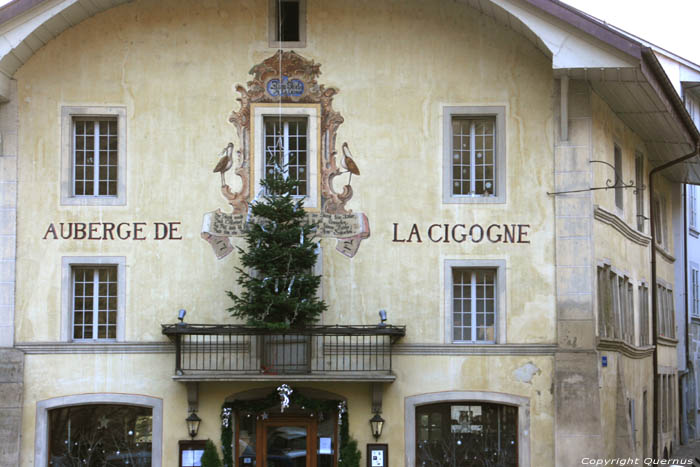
(67, 265)
(312, 115)
(68, 115)
(496, 112)
(499, 267)
(272, 26)
(41, 433)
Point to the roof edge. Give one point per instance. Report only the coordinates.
(589, 25)
(16, 8)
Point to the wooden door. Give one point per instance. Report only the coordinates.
(287, 442)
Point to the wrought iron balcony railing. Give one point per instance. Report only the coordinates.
(236, 352)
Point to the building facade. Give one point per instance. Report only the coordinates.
(481, 172)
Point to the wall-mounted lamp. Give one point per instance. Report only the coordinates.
(377, 424)
(193, 422)
(181, 315)
(382, 317)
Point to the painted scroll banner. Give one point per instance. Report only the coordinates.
(348, 229)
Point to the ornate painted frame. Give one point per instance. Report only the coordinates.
(284, 78)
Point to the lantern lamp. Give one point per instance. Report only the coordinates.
(193, 422)
(377, 423)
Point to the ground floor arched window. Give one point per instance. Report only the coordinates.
(100, 435)
(467, 434)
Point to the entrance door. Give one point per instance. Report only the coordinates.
(287, 442)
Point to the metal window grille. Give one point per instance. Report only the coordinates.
(95, 303)
(474, 305)
(95, 156)
(473, 156)
(286, 146)
(618, 178)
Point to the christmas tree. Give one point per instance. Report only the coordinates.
(278, 287)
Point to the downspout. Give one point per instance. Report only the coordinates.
(654, 307)
(681, 392)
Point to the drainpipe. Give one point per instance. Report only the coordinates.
(654, 307)
(687, 321)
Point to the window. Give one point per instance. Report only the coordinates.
(644, 337)
(286, 146)
(695, 290)
(474, 155)
(693, 206)
(450, 433)
(615, 305)
(474, 301)
(633, 421)
(660, 221)
(93, 141)
(639, 189)
(618, 178)
(288, 135)
(474, 305)
(95, 302)
(93, 299)
(130, 424)
(287, 23)
(666, 319)
(96, 435)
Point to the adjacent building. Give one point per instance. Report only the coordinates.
(498, 185)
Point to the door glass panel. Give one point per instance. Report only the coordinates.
(326, 442)
(286, 446)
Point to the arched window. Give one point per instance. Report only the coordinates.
(467, 429)
(467, 433)
(99, 429)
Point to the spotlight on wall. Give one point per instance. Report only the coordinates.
(377, 424)
(193, 422)
(382, 317)
(181, 315)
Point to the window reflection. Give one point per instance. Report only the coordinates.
(466, 434)
(100, 435)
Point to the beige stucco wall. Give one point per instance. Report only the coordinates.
(173, 65)
(173, 68)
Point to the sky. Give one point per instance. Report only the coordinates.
(669, 24)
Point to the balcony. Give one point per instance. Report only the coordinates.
(315, 353)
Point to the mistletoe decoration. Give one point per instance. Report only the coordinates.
(278, 287)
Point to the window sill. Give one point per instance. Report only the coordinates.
(629, 350)
(693, 231)
(476, 199)
(695, 319)
(93, 201)
(670, 341)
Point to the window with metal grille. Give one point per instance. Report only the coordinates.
(95, 156)
(286, 147)
(95, 302)
(466, 433)
(473, 156)
(473, 305)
